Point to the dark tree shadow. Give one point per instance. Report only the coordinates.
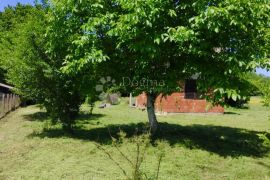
(231, 113)
(82, 117)
(38, 116)
(264, 165)
(224, 141)
(85, 117)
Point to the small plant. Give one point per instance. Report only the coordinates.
(265, 139)
(141, 143)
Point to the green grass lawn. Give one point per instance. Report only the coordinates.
(196, 146)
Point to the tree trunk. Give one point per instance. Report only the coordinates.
(67, 127)
(92, 105)
(151, 113)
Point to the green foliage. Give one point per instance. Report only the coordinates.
(21, 31)
(62, 32)
(238, 92)
(265, 139)
(262, 85)
(2, 75)
(33, 63)
(266, 94)
(8, 22)
(167, 41)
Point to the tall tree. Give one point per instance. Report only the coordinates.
(156, 43)
(34, 65)
(8, 20)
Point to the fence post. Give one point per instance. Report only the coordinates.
(5, 104)
(9, 105)
(2, 106)
(9, 97)
(13, 102)
(8, 102)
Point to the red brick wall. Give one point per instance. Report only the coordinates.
(141, 101)
(176, 103)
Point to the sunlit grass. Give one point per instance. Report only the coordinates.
(197, 146)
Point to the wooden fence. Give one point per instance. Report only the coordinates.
(8, 102)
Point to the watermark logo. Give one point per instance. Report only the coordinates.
(103, 85)
(142, 83)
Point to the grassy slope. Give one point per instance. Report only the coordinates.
(197, 146)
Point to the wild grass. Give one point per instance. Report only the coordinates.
(196, 146)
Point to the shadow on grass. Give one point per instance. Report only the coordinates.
(264, 165)
(38, 116)
(231, 113)
(43, 116)
(224, 141)
(85, 117)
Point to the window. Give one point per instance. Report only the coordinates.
(190, 89)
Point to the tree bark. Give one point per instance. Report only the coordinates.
(151, 113)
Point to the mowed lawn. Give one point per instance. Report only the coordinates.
(196, 146)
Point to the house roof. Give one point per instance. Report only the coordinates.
(5, 86)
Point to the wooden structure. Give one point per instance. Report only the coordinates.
(8, 100)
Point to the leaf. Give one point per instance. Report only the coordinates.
(234, 97)
(157, 40)
(229, 94)
(172, 13)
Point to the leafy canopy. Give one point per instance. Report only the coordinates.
(166, 40)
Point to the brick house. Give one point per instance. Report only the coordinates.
(186, 101)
